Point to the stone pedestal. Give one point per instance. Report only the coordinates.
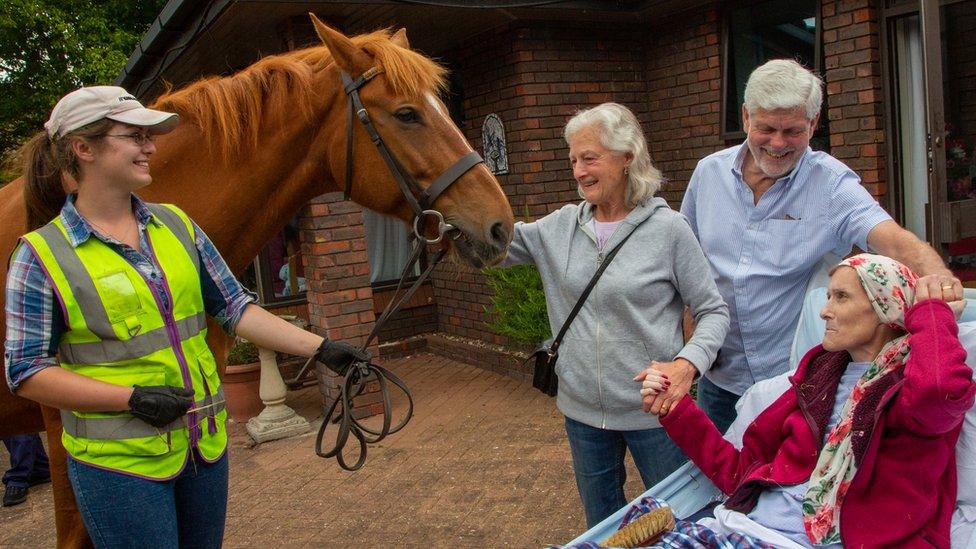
(277, 420)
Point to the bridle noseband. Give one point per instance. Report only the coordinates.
(421, 201)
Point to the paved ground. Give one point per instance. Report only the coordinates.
(483, 463)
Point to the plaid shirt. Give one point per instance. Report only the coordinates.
(35, 323)
(684, 535)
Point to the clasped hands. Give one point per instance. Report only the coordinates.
(663, 384)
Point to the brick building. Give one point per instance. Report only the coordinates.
(900, 109)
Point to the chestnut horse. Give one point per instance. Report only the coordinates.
(255, 147)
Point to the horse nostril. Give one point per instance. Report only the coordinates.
(499, 235)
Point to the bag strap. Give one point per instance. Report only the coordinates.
(589, 287)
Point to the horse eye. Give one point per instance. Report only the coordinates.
(407, 116)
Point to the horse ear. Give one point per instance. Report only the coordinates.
(347, 55)
(400, 39)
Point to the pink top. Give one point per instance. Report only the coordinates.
(603, 231)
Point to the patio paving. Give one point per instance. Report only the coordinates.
(483, 463)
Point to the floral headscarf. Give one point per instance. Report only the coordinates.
(891, 288)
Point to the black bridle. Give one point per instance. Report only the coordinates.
(421, 201)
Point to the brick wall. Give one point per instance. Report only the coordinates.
(534, 76)
(416, 316)
(852, 59)
(684, 82)
(340, 299)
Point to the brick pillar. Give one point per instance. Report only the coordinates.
(852, 59)
(684, 83)
(340, 299)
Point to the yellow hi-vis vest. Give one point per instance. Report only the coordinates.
(120, 332)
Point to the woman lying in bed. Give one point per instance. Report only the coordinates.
(859, 451)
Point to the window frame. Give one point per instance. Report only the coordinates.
(739, 135)
(265, 283)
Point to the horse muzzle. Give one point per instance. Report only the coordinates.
(481, 250)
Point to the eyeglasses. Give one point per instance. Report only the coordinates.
(139, 138)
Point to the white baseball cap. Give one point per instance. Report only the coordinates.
(91, 104)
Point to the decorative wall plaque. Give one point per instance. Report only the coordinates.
(493, 138)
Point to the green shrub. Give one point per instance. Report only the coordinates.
(518, 308)
(243, 352)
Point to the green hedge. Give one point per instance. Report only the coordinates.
(518, 308)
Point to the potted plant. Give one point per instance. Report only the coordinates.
(242, 381)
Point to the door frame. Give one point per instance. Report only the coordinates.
(946, 221)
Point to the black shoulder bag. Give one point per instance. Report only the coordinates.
(544, 377)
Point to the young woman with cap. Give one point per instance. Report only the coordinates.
(105, 309)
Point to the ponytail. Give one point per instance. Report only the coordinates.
(43, 189)
(45, 162)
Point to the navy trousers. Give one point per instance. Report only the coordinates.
(28, 461)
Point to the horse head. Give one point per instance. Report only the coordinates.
(263, 142)
(400, 95)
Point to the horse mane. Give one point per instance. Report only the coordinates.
(228, 110)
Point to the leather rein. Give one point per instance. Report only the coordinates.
(359, 374)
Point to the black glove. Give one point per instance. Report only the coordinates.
(161, 404)
(339, 355)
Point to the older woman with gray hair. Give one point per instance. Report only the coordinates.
(633, 318)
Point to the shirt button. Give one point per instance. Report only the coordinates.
(745, 260)
(750, 226)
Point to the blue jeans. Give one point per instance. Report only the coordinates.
(598, 462)
(125, 511)
(28, 462)
(717, 403)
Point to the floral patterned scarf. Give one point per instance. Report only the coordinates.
(891, 288)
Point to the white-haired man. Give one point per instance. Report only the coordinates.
(766, 212)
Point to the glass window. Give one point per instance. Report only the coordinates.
(388, 248)
(279, 272)
(959, 98)
(757, 32)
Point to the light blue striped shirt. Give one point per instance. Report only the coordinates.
(762, 255)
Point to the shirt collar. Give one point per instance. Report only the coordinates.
(79, 229)
(740, 158)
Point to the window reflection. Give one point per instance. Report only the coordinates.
(758, 32)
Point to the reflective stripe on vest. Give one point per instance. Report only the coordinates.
(75, 271)
(120, 331)
(178, 226)
(113, 350)
(122, 427)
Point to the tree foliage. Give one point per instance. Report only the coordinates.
(50, 47)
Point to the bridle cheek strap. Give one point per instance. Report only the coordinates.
(419, 198)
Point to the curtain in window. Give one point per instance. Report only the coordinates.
(911, 121)
(388, 247)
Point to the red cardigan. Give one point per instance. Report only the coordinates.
(904, 491)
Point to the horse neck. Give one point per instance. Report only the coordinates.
(241, 203)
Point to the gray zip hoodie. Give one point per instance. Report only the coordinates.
(633, 315)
